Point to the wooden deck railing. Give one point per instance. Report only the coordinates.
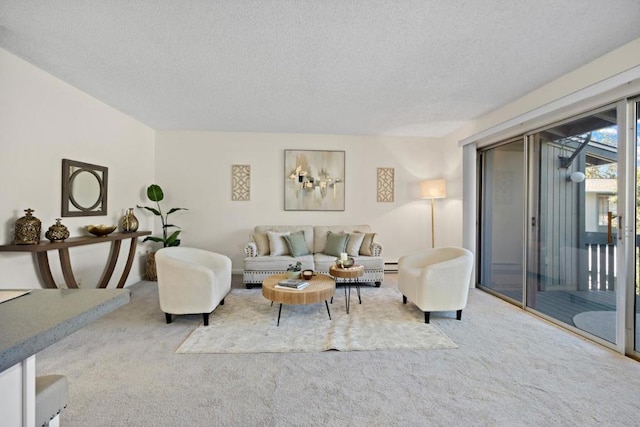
(602, 275)
(601, 261)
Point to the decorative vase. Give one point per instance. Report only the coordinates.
(58, 232)
(27, 229)
(129, 223)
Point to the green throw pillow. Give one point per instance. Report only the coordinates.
(336, 244)
(296, 243)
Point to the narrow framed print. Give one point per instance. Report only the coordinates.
(385, 184)
(240, 183)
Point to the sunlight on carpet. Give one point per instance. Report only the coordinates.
(246, 323)
(601, 324)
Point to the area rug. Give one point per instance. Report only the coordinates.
(601, 324)
(246, 323)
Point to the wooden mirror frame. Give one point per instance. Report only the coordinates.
(70, 206)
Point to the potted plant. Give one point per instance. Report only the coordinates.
(155, 194)
(293, 271)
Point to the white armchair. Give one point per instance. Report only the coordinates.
(191, 281)
(436, 279)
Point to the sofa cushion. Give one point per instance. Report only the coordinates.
(320, 233)
(365, 249)
(353, 243)
(262, 243)
(296, 243)
(336, 244)
(308, 231)
(277, 264)
(277, 245)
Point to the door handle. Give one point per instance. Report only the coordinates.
(619, 227)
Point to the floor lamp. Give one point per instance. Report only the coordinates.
(433, 189)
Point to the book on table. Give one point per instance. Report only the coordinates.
(293, 284)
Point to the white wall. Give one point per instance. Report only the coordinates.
(42, 121)
(591, 210)
(194, 169)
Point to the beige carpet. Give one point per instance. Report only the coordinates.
(247, 323)
(511, 369)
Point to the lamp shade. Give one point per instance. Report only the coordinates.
(433, 189)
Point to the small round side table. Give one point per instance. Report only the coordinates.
(351, 275)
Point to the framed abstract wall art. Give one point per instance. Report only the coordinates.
(314, 180)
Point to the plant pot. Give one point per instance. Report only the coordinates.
(293, 274)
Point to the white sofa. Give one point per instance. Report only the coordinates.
(262, 261)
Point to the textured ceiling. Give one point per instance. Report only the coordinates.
(371, 67)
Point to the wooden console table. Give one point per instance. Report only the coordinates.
(44, 247)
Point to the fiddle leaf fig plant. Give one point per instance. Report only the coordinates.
(155, 194)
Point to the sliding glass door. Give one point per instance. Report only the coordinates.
(573, 223)
(501, 225)
(557, 233)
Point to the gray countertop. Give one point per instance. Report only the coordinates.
(32, 322)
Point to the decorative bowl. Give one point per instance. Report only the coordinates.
(307, 274)
(345, 263)
(100, 230)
